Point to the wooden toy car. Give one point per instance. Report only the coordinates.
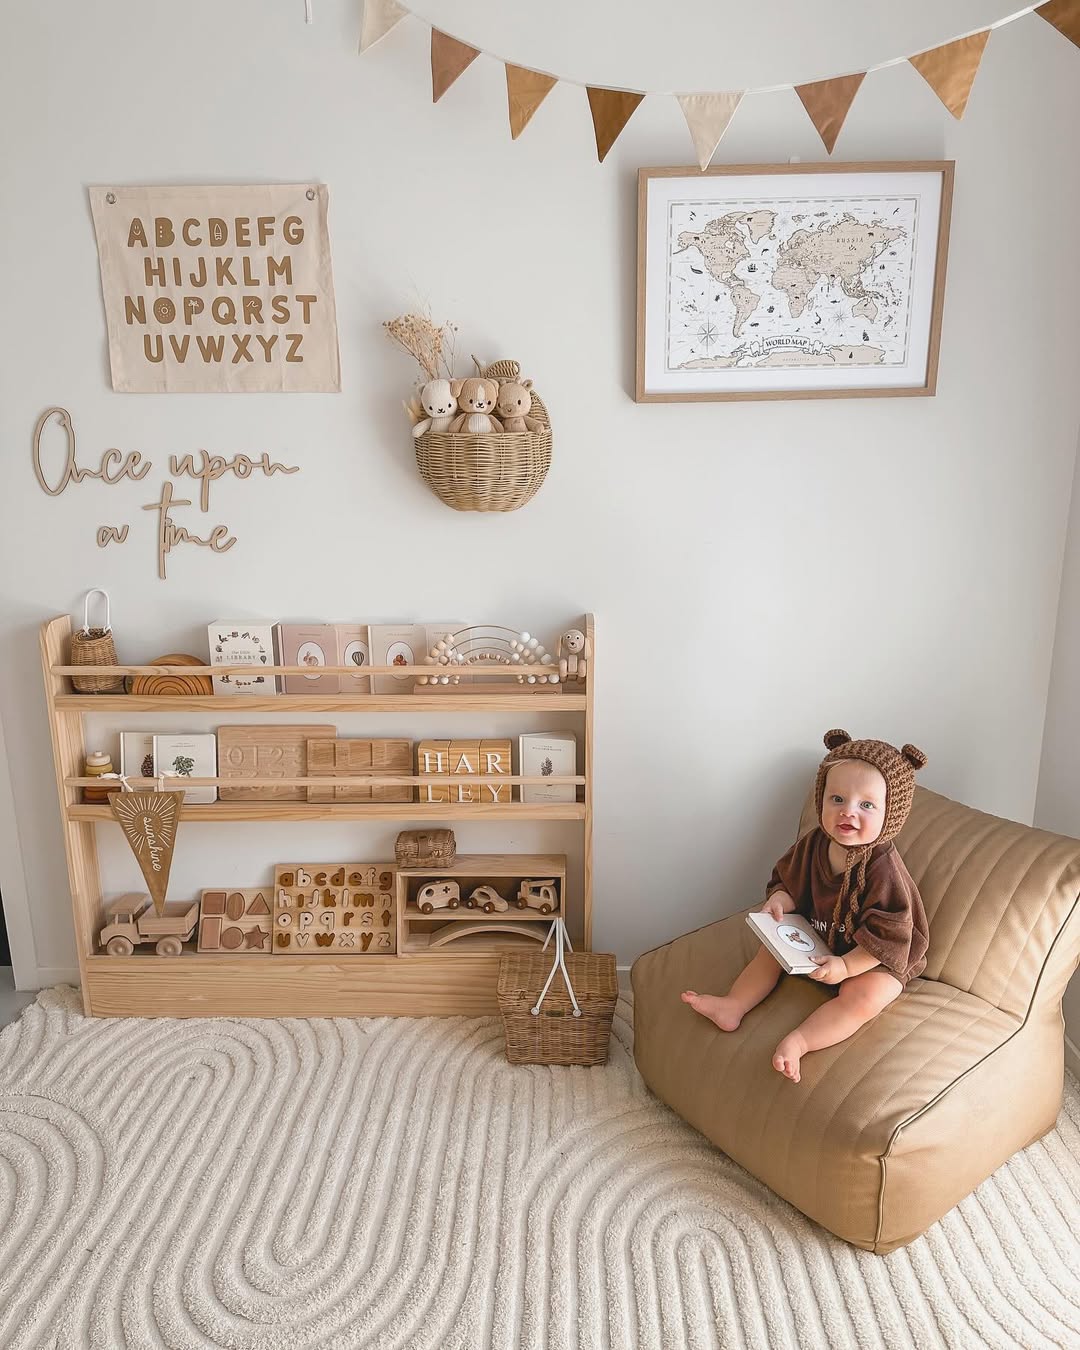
(438, 895)
(541, 895)
(421, 848)
(134, 920)
(488, 899)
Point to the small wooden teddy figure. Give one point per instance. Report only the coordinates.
(573, 655)
(476, 398)
(439, 404)
(514, 406)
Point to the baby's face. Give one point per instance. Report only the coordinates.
(853, 807)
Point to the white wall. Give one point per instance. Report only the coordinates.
(888, 565)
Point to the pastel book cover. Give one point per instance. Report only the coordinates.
(238, 643)
(791, 940)
(312, 645)
(548, 754)
(187, 756)
(352, 647)
(397, 644)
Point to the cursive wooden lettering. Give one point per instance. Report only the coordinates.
(168, 534)
(126, 466)
(212, 467)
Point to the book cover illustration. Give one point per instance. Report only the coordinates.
(188, 756)
(791, 940)
(243, 644)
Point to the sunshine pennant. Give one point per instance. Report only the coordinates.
(149, 821)
(707, 116)
(950, 70)
(827, 103)
(525, 91)
(1064, 15)
(449, 58)
(379, 17)
(611, 110)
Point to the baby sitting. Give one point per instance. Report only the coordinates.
(847, 879)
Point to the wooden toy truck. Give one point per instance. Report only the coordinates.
(133, 920)
(541, 895)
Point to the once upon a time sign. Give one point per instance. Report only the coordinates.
(218, 289)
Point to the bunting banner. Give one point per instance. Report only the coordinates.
(950, 70)
(449, 58)
(525, 91)
(611, 110)
(707, 116)
(1065, 16)
(149, 821)
(379, 17)
(827, 103)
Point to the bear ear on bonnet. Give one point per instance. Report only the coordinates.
(914, 756)
(836, 738)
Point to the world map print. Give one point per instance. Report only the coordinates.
(821, 283)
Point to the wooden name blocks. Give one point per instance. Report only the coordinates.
(344, 758)
(463, 760)
(237, 922)
(335, 909)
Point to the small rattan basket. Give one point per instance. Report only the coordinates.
(496, 472)
(555, 1035)
(94, 647)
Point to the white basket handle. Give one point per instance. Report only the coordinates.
(86, 610)
(562, 942)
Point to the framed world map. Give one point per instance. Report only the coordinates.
(791, 280)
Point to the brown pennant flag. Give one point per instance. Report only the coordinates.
(1065, 16)
(149, 821)
(950, 70)
(611, 110)
(827, 102)
(449, 58)
(525, 91)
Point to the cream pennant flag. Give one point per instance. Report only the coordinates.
(827, 103)
(707, 116)
(1065, 16)
(950, 70)
(449, 58)
(525, 91)
(149, 821)
(379, 17)
(611, 110)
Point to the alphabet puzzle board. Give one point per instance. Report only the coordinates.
(236, 922)
(335, 909)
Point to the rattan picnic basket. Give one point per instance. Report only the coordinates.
(500, 471)
(555, 1035)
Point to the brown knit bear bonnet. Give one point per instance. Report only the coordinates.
(898, 768)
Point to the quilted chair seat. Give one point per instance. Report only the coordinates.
(891, 1128)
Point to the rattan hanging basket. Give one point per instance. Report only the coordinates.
(94, 647)
(496, 472)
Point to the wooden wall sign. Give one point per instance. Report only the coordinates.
(265, 752)
(149, 821)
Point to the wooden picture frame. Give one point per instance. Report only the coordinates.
(711, 323)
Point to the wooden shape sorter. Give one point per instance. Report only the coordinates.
(238, 923)
(462, 759)
(265, 752)
(347, 757)
(335, 909)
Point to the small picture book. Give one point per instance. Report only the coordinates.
(547, 754)
(312, 645)
(188, 756)
(792, 941)
(238, 643)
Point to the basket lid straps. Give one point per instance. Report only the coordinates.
(97, 590)
(562, 942)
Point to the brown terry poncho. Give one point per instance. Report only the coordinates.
(891, 922)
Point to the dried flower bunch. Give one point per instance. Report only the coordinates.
(431, 346)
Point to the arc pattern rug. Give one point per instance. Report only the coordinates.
(394, 1184)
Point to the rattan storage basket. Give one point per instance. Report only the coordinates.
(94, 647)
(496, 472)
(555, 1035)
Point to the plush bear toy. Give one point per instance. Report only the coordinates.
(476, 399)
(440, 405)
(514, 406)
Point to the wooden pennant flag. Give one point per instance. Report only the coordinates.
(827, 102)
(950, 70)
(525, 91)
(379, 17)
(707, 116)
(611, 110)
(149, 821)
(1065, 16)
(449, 58)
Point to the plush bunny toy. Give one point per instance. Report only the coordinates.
(440, 405)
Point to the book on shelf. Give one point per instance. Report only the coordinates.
(352, 645)
(239, 643)
(791, 940)
(187, 756)
(547, 754)
(312, 645)
(403, 644)
(137, 754)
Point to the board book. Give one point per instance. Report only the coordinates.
(792, 941)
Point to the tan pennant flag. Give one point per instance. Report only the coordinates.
(611, 110)
(1065, 16)
(379, 17)
(525, 91)
(827, 102)
(449, 58)
(149, 821)
(707, 116)
(950, 70)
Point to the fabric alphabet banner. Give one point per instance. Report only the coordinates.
(218, 289)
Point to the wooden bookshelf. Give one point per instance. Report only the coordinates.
(426, 977)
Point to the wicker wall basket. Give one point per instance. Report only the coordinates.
(496, 472)
(555, 1035)
(94, 647)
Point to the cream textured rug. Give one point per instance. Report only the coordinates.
(394, 1183)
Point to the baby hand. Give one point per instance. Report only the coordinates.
(773, 908)
(830, 970)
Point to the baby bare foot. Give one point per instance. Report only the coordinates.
(788, 1054)
(726, 1014)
